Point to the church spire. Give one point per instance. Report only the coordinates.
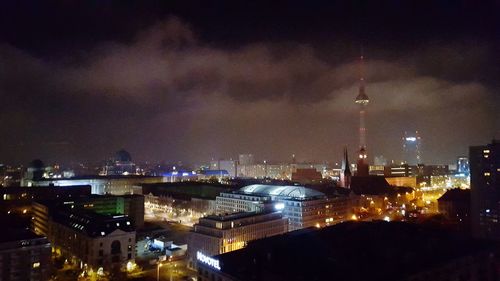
(345, 174)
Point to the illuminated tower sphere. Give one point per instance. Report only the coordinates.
(362, 101)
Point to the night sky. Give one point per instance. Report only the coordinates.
(195, 80)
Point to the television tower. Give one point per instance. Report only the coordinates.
(362, 100)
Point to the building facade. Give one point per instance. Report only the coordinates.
(24, 256)
(114, 185)
(485, 190)
(412, 146)
(455, 206)
(217, 234)
(98, 241)
(304, 207)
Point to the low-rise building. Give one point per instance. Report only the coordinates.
(131, 205)
(306, 176)
(98, 241)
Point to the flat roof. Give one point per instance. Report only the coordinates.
(16, 234)
(349, 251)
(235, 216)
(99, 177)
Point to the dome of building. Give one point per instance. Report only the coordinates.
(37, 164)
(123, 156)
(294, 191)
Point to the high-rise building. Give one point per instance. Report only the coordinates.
(362, 100)
(485, 189)
(412, 145)
(463, 165)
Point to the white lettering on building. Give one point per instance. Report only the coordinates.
(208, 260)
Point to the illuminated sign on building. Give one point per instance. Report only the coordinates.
(279, 206)
(208, 260)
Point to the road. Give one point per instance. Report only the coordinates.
(171, 271)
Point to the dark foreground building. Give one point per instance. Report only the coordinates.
(485, 190)
(455, 206)
(24, 255)
(355, 251)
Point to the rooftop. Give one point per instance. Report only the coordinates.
(185, 190)
(234, 216)
(17, 234)
(456, 194)
(90, 223)
(348, 251)
(293, 191)
(375, 185)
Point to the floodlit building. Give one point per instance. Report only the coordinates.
(463, 165)
(217, 234)
(114, 185)
(307, 176)
(485, 189)
(24, 256)
(304, 207)
(403, 181)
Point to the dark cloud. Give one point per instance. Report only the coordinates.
(167, 94)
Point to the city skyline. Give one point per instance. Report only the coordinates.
(166, 82)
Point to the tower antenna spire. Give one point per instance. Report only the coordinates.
(362, 100)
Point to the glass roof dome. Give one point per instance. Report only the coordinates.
(293, 191)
